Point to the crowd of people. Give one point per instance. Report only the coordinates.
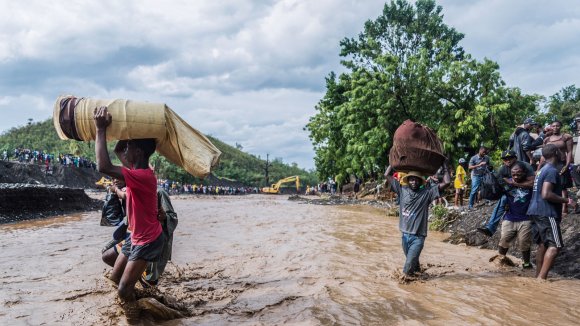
(536, 172)
(329, 186)
(176, 187)
(525, 144)
(40, 157)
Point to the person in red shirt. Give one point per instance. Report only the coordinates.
(141, 200)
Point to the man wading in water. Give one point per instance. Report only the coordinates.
(147, 235)
(414, 199)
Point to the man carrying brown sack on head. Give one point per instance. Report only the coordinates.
(414, 200)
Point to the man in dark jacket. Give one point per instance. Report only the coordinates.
(521, 141)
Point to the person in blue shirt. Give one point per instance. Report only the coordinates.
(546, 211)
(516, 222)
(504, 175)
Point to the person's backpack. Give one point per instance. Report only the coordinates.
(113, 212)
(490, 187)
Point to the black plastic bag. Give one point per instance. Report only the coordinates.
(490, 187)
(113, 211)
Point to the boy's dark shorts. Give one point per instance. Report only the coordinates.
(149, 252)
(546, 230)
(126, 247)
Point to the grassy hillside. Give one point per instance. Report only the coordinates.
(235, 165)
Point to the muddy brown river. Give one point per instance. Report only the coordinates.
(264, 260)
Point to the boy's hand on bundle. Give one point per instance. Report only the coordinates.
(102, 117)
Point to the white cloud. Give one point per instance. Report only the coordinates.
(245, 71)
(536, 43)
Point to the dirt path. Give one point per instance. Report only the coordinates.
(266, 260)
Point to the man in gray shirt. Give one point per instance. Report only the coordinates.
(414, 200)
(478, 164)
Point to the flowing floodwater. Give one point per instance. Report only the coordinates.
(266, 260)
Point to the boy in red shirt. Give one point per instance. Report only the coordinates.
(146, 236)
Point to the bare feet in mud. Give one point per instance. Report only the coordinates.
(435, 271)
(502, 261)
(403, 278)
(152, 305)
(157, 310)
(107, 277)
(189, 291)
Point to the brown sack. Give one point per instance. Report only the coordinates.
(176, 140)
(416, 148)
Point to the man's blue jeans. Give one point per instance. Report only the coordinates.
(498, 213)
(412, 247)
(475, 182)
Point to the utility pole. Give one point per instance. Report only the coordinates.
(267, 170)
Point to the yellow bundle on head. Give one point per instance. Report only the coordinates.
(176, 140)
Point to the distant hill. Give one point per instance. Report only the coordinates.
(235, 165)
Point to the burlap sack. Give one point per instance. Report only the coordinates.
(176, 140)
(416, 148)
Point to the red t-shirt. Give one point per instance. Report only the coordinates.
(142, 205)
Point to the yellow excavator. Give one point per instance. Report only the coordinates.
(104, 182)
(275, 188)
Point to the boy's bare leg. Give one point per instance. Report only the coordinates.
(549, 258)
(110, 257)
(119, 268)
(540, 258)
(133, 271)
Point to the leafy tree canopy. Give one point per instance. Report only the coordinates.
(408, 64)
(565, 105)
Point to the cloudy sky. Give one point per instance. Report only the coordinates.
(247, 72)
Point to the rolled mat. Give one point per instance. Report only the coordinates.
(176, 140)
(416, 148)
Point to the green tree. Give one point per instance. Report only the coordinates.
(408, 64)
(565, 104)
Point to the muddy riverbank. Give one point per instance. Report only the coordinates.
(20, 202)
(463, 231)
(36, 174)
(267, 260)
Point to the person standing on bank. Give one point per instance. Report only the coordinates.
(415, 198)
(459, 183)
(545, 211)
(478, 164)
(564, 143)
(521, 141)
(141, 185)
(504, 175)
